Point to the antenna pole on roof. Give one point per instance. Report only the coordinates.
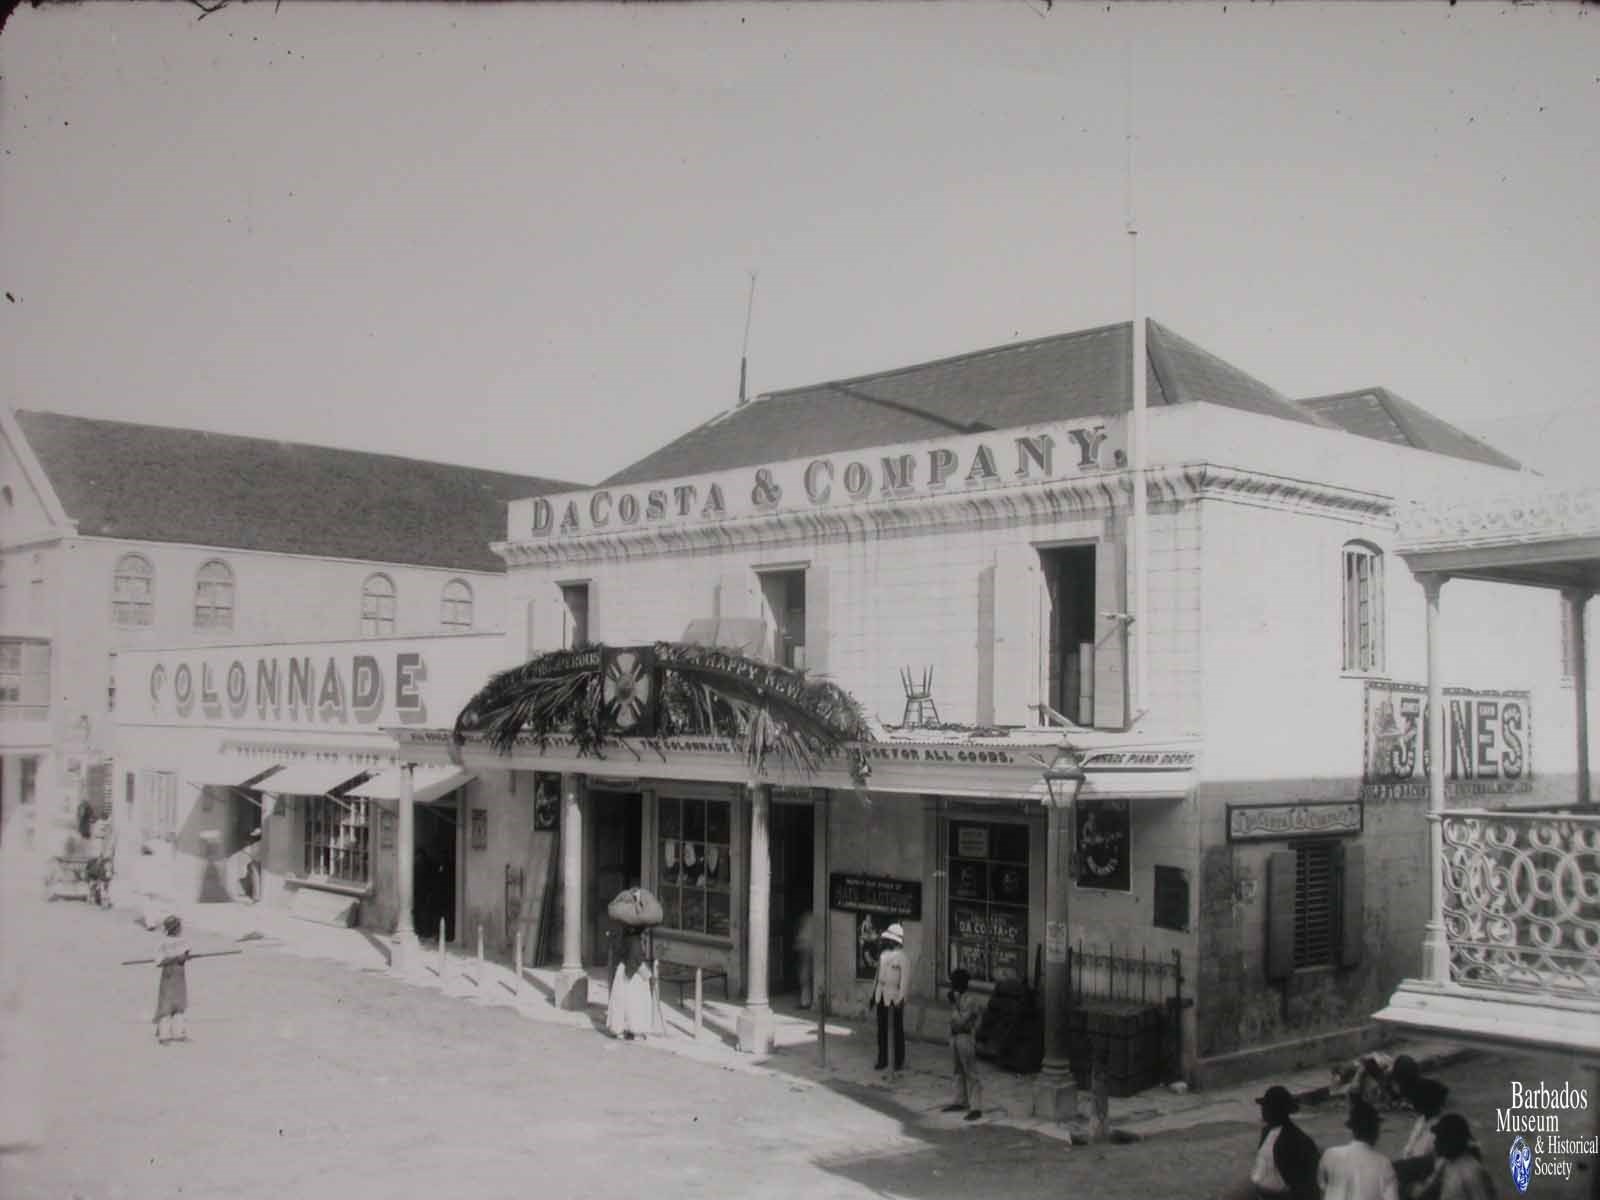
(1140, 627)
(744, 350)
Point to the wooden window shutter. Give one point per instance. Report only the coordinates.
(1110, 637)
(816, 620)
(591, 612)
(736, 595)
(1280, 914)
(1352, 898)
(35, 688)
(1019, 614)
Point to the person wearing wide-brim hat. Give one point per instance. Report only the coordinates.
(889, 997)
(1460, 1174)
(1286, 1157)
(1356, 1171)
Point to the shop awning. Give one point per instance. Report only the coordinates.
(235, 773)
(311, 779)
(428, 784)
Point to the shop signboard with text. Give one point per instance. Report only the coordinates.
(1488, 743)
(362, 684)
(954, 466)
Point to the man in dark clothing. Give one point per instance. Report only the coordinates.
(1286, 1157)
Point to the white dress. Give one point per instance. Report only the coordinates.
(629, 1009)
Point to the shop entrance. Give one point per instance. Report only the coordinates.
(433, 882)
(618, 857)
(792, 892)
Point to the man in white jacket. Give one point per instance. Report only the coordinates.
(889, 997)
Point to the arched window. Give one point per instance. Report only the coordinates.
(133, 591)
(213, 596)
(377, 606)
(455, 607)
(1363, 608)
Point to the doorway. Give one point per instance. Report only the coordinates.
(618, 858)
(433, 894)
(792, 893)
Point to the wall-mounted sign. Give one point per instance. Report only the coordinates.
(972, 841)
(896, 899)
(546, 800)
(480, 829)
(1311, 818)
(386, 830)
(1488, 738)
(945, 466)
(1104, 843)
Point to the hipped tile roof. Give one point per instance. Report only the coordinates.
(117, 479)
(1071, 375)
(1379, 414)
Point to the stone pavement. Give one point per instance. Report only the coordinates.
(916, 1094)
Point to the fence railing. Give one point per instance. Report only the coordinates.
(1095, 973)
(1521, 903)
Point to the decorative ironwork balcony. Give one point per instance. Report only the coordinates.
(1521, 901)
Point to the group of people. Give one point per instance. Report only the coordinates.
(1440, 1160)
(891, 985)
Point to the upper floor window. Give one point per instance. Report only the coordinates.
(575, 621)
(377, 606)
(24, 679)
(133, 586)
(785, 596)
(1363, 607)
(455, 607)
(213, 596)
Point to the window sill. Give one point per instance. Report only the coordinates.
(1375, 675)
(710, 941)
(317, 884)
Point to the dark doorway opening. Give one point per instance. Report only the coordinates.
(792, 894)
(433, 896)
(618, 855)
(1069, 580)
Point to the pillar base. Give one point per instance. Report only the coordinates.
(572, 989)
(755, 1030)
(1055, 1098)
(405, 952)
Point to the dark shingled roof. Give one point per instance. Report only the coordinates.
(1379, 414)
(1067, 376)
(152, 483)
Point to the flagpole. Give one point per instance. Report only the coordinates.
(1140, 446)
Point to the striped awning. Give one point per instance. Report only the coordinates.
(428, 784)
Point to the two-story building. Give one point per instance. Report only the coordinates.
(956, 545)
(117, 536)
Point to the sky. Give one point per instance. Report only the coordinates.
(521, 236)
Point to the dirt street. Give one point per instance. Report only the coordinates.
(304, 1078)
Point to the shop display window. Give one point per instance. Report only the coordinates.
(338, 839)
(694, 872)
(987, 866)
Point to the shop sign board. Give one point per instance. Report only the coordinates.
(897, 899)
(1103, 845)
(1488, 739)
(1310, 818)
(944, 466)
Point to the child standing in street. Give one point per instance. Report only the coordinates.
(172, 997)
(964, 1014)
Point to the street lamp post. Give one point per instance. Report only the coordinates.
(1055, 1095)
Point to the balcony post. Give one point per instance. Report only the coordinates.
(1435, 949)
(1576, 601)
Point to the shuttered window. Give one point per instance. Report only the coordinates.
(1315, 896)
(1363, 608)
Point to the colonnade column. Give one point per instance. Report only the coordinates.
(1576, 601)
(1435, 948)
(572, 984)
(755, 1022)
(404, 951)
(1055, 1092)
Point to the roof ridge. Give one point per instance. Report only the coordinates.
(966, 356)
(271, 441)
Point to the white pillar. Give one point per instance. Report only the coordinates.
(572, 984)
(1435, 949)
(755, 1022)
(403, 947)
(1055, 1092)
(1577, 601)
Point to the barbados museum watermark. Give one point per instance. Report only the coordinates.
(1538, 1146)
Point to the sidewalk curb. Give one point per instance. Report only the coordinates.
(1311, 1095)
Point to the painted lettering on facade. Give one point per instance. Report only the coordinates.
(1264, 822)
(954, 465)
(1488, 742)
(297, 689)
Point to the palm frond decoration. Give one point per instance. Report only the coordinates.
(771, 712)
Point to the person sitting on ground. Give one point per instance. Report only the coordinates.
(1286, 1156)
(1356, 1171)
